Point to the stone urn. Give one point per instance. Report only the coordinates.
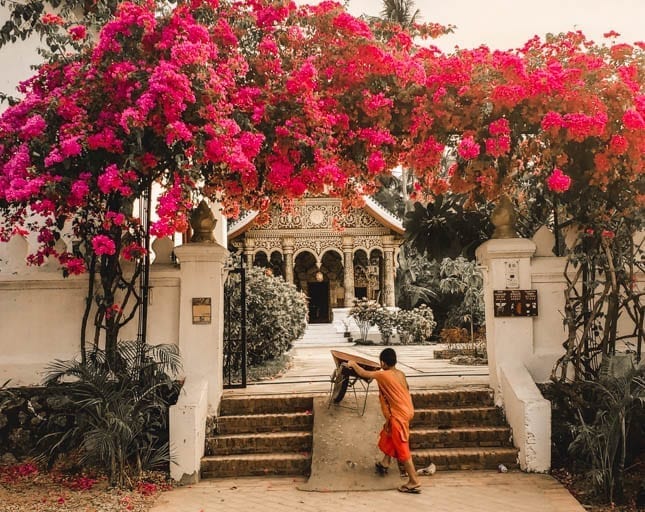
(503, 218)
(202, 221)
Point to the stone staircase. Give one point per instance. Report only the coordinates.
(460, 429)
(272, 435)
(321, 335)
(256, 436)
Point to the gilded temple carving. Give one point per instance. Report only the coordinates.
(321, 248)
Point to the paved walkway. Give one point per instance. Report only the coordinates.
(461, 491)
(312, 366)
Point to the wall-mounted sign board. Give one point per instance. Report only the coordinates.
(515, 302)
(201, 310)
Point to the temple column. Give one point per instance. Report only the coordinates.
(287, 249)
(249, 246)
(348, 281)
(388, 285)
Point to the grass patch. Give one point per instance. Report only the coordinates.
(267, 370)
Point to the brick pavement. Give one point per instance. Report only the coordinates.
(462, 491)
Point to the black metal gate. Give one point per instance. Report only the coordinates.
(235, 328)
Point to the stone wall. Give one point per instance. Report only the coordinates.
(41, 312)
(27, 415)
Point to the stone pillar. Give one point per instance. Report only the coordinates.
(201, 344)
(249, 245)
(348, 281)
(287, 250)
(388, 285)
(506, 265)
(507, 338)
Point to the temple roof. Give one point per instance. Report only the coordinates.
(372, 207)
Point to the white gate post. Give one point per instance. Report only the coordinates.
(201, 338)
(506, 265)
(201, 330)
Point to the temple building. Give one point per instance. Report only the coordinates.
(333, 257)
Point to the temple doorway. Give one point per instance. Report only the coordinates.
(319, 302)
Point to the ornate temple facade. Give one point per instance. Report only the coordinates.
(331, 256)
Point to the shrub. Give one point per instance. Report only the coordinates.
(385, 321)
(415, 325)
(364, 313)
(460, 338)
(606, 411)
(121, 411)
(276, 314)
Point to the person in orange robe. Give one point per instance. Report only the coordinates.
(396, 404)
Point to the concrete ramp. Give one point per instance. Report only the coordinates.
(345, 448)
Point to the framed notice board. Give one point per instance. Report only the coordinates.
(515, 302)
(201, 310)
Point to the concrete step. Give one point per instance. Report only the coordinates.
(446, 418)
(444, 398)
(236, 405)
(460, 437)
(221, 466)
(255, 423)
(280, 442)
(466, 458)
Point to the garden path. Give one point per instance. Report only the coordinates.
(312, 365)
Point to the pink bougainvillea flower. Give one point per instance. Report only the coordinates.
(103, 245)
(633, 120)
(34, 127)
(468, 149)
(558, 182)
(110, 180)
(77, 32)
(74, 266)
(618, 145)
(375, 163)
(610, 235)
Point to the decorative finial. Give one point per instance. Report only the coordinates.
(203, 223)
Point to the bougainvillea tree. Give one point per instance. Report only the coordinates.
(246, 103)
(255, 103)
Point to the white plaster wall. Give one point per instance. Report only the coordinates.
(529, 415)
(549, 332)
(39, 322)
(188, 430)
(40, 319)
(547, 276)
(15, 61)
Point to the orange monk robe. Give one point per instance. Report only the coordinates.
(398, 410)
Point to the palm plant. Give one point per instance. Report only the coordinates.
(121, 423)
(601, 437)
(400, 11)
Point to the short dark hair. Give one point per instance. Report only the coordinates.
(388, 356)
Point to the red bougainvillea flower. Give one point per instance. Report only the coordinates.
(558, 182)
(52, 19)
(77, 32)
(103, 245)
(133, 251)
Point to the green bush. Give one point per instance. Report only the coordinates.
(364, 313)
(385, 321)
(412, 325)
(121, 411)
(276, 314)
(415, 325)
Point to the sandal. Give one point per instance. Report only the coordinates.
(410, 490)
(380, 469)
